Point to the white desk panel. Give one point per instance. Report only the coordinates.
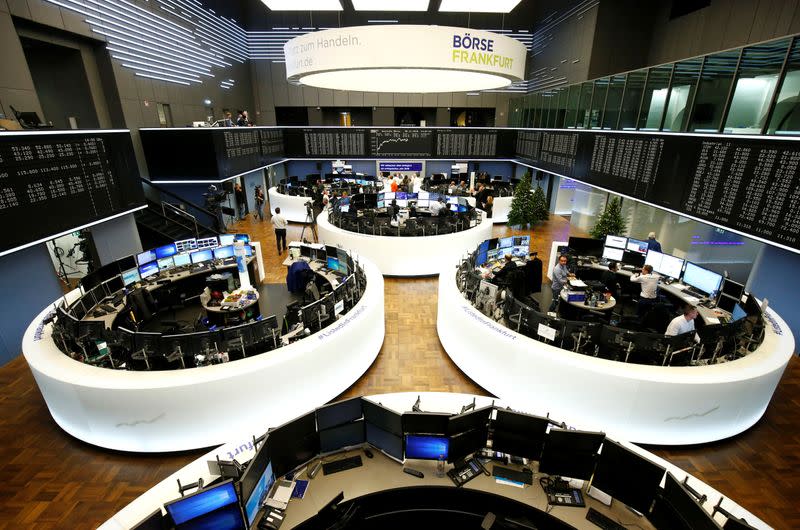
(501, 209)
(177, 410)
(645, 404)
(406, 256)
(292, 208)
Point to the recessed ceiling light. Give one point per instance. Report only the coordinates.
(303, 5)
(390, 5)
(478, 6)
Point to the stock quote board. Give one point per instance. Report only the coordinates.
(51, 183)
(749, 184)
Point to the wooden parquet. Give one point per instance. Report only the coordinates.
(51, 480)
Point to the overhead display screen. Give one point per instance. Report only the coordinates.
(407, 142)
(51, 183)
(239, 150)
(336, 143)
(466, 144)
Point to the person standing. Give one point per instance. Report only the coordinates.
(652, 242)
(279, 224)
(561, 276)
(609, 279)
(241, 200)
(649, 281)
(259, 198)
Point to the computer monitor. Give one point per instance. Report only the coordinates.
(339, 413)
(248, 251)
(388, 442)
(145, 257)
(402, 203)
(342, 436)
(208, 242)
(388, 196)
(154, 521)
(166, 263)
(727, 303)
(166, 251)
(634, 259)
(467, 421)
(637, 245)
(467, 443)
(480, 259)
(627, 476)
(452, 199)
(255, 477)
(519, 434)
(213, 507)
(293, 443)
(677, 509)
(253, 503)
(427, 447)
(732, 288)
(614, 254)
(223, 252)
(425, 422)
(226, 239)
(201, 256)
(181, 260)
(332, 264)
(505, 242)
(381, 196)
(670, 266)
(186, 245)
(380, 204)
(616, 241)
(522, 241)
(423, 203)
(585, 246)
(130, 276)
(242, 237)
(383, 417)
(148, 269)
(570, 453)
(701, 279)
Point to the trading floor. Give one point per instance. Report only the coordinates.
(50, 480)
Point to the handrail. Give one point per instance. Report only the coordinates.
(182, 214)
(173, 195)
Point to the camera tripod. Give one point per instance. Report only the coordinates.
(311, 224)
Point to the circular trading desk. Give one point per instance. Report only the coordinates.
(500, 209)
(406, 256)
(382, 476)
(293, 207)
(662, 405)
(175, 410)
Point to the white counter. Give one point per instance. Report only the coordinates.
(293, 208)
(406, 256)
(178, 410)
(645, 404)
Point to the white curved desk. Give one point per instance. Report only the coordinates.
(293, 208)
(644, 404)
(406, 256)
(178, 410)
(501, 209)
(242, 450)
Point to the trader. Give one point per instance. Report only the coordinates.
(683, 323)
(652, 243)
(508, 266)
(609, 279)
(649, 281)
(279, 223)
(436, 207)
(561, 276)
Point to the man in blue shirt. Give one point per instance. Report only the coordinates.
(561, 276)
(652, 243)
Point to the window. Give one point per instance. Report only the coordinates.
(632, 99)
(561, 108)
(572, 106)
(684, 83)
(598, 101)
(583, 107)
(655, 98)
(164, 115)
(712, 92)
(786, 113)
(616, 87)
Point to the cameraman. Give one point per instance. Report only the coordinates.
(213, 199)
(259, 198)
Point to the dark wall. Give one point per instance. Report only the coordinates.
(622, 36)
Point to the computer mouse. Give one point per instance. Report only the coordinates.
(368, 453)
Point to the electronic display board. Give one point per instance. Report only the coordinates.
(404, 142)
(345, 142)
(478, 143)
(238, 150)
(53, 182)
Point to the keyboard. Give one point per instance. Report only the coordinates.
(107, 308)
(513, 475)
(602, 521)
(342, 465)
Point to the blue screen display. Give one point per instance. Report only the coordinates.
(484, 246)
(130, 276)
(148, 269)
(333, 264)
(145, 257)
(259, 493)
(166, 251)
(248, 250)
(427, 447)
(401, 196)
(201, 503)
(181, 259)
(201, 255)
(223, 252)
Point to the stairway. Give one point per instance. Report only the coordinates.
(164, 222)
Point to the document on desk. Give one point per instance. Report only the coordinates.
(577, 283)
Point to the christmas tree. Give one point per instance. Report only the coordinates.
(522, 203)
(540, 210)
(610, 221)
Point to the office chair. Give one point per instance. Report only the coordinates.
(311, 293)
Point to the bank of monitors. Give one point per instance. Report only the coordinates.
(186, 245)
(627, 476)
(425, 422)
(703, 280)
(201, 256)
(637, 245)
(226, 239)
(664, 264)
(145, 257)
(384, 429)
(208, 242)
(293, 444)
(619, 242)
(613, 254)
(214, 507)
(223, 252)
(182, 260)
(427, 447)
(584, 246)
(148, 269)
(339, 413)
(677, 509)
(570, 453)
(166, 251)
(519, 434)
(130, 276)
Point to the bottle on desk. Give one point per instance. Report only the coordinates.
(440, 467)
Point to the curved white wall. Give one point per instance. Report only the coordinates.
(406, 256)
(644, 404)
(177, 410)
(292, 208)
(501, 209)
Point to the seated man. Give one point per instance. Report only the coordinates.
(436, 207)
(609, 279)
(508, 266)
(683, 323)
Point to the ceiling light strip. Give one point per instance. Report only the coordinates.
(139, 74)
(122, 56)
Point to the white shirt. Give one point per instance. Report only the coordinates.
(649, 285)
(278, 222)
(679, 326)
(435, 208)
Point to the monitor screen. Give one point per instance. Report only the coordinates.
(181, 260)
(402, 203)
(209, 242)
(653, 259)
(333, 264)
(226, 239)
(636, 245)
(337, 438)
(223, 252)
(626, 476)
(388, 196)
(166, 251)
(241, 237)
(584, 246)
(154, 521)
(677, 509)
(259, 493)
(616, 241)
(145, 257)
(632, 258)
(427, 447)
(570, 453)
(738, 313)
(331, 251)
(382, 417)
(293, 443)
(201, 256)
(732, 288)
(701, 279)
(470, 420)
(614, 254)
(380, 204)
(130, 276)
(166, 263)
(480, 258)
(339, 413)
(423, 203)
(201, 503)
(519, 434)
(671, 266)
(248, 251)
(505, 242)
(401, 195)
(425, 422)
(186, 245)
(727, 303)
(467, 443)
(381, 196)
(148, 269)
(389, 443)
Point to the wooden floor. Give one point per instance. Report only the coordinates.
(51, 480)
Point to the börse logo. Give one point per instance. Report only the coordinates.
(473, 43)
